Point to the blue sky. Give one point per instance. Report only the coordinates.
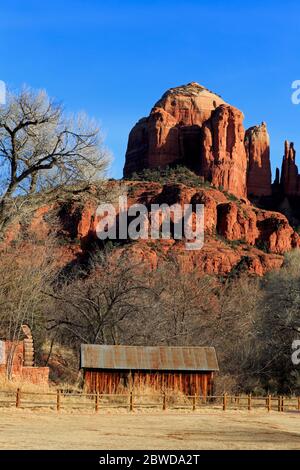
(114, 59)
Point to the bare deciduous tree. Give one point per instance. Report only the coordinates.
(100, 303)
(277, 326)
(42, 149)
(185, 306)
(22, 282)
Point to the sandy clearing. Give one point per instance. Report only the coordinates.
(25, 429)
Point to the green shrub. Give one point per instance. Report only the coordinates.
(177, 174)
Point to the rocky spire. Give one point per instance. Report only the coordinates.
(277, 177)
(257, 144)
(289, 171)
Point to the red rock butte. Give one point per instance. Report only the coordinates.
(193, 126)
(196, 128)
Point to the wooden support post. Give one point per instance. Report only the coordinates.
(131, 402)
(58, 400)
(224, 401)
(194, 402)
(18, 398)
(164, 401)
(249, 401)
(279, 403)
(97, 402)
(298, 403)
(269, 402)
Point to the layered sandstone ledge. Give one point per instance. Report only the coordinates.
(237, 234)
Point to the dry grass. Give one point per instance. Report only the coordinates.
(205, 429)
(12, 386)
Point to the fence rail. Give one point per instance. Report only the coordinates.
(60, 399)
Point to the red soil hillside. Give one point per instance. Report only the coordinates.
(237, 234)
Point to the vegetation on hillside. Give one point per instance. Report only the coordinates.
(114, 299)
(251, 322)
(176, 174)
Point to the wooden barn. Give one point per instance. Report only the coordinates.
(188, 369)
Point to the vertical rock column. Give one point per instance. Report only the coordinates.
(289, 172)
(257, 144)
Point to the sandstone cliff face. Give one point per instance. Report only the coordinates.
(236, 233)
(257, 144)
(172, 132)
(223, 153)
(237, 223)
(195, 127)
(276, 233)
(269, 231)
(290, 180)
(190, 104)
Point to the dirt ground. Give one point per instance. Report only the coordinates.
(25, 429)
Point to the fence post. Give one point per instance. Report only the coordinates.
(194, 402)
(131, 402)
(58, 400)
(298, 403)
(164, 401)
(249, 402)
(281, 403)
(18, 398)
(269, 406)
(97, 402)
(224, 401)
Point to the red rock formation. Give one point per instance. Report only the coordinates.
(267, 230)
(195, 127)
(236, 233)
(223, 153)
(172, 129)
(275, 232)
(237, 222)
(290, 179)
(257, 144)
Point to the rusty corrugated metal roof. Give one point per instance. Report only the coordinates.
(95, 356)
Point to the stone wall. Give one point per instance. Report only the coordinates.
(14, 350)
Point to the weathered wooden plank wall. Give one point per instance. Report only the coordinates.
(189, 383)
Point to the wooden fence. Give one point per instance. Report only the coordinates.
(61, 400)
